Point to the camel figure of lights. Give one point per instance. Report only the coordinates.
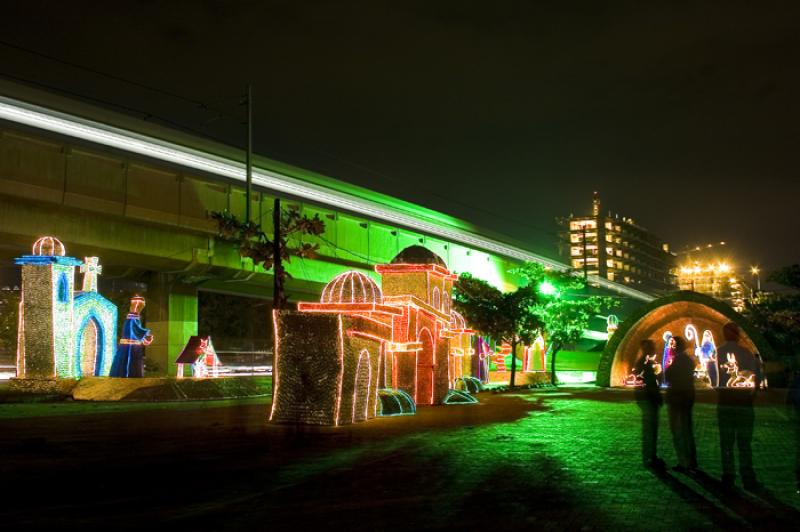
(341, 360)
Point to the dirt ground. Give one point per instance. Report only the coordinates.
(565, 459)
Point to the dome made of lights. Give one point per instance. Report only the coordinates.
(418, 255)
(457, 322)
(352, 287)
(49, 246)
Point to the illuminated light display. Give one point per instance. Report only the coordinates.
(352, 287)
(697, 317)
(395, 403)
(534, 356)
(359, 339)
(461, 350)
(636, 378)
(62, 333)
(349, 308)
(49, 246)
(323, 375)
(404, 347)
(737, 378)
(705, 353)
(612, 324)
(201, 356)
(129, 358)
(469, 384)
(90, 270)
(459, 397)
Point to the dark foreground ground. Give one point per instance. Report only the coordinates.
(559, 460)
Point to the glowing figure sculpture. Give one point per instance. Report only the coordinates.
(612, 324)
(62, 333)
(706, 354)
(484, 356)
(200, 354)
(129, 359)
(669, 352)
(737, 378)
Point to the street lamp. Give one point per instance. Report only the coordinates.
(756, 272)
(548, 289)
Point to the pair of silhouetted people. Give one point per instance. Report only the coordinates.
(680, 401)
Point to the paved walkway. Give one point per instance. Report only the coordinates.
(534, 460)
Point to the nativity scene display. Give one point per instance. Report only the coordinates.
(713, 369)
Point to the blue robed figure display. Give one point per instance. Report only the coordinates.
(129, 359)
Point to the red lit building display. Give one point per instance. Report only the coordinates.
(333, 357)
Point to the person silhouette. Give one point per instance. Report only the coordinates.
(793, 402)
(680, 402)
(648, 397)
(735, 412)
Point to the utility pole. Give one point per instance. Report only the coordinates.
(249, 156)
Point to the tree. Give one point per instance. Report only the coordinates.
(777, 316)
(563, 310)
(506, 317)
(254, 243)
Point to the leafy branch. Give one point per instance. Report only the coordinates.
(256, 245)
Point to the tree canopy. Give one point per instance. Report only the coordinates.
(506, 317)
(564, 311)
(549, 303)
(777, 316)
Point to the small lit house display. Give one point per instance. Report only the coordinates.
(62, 332)
(200, 355)
(333, 357)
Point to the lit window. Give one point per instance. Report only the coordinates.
(63, 288)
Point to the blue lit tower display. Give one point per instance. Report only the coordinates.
(62, 333)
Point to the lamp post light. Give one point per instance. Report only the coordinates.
(756, 272)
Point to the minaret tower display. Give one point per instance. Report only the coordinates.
(45, 331)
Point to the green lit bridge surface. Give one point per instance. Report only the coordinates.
(139, 197)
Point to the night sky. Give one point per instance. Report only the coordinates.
(508, 114)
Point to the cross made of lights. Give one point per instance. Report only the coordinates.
(90, 270)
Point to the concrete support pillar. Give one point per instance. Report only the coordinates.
(172, 319)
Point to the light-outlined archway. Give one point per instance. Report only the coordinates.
(91, 306)
(673, 313)
(361, 387)
(425, 365)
